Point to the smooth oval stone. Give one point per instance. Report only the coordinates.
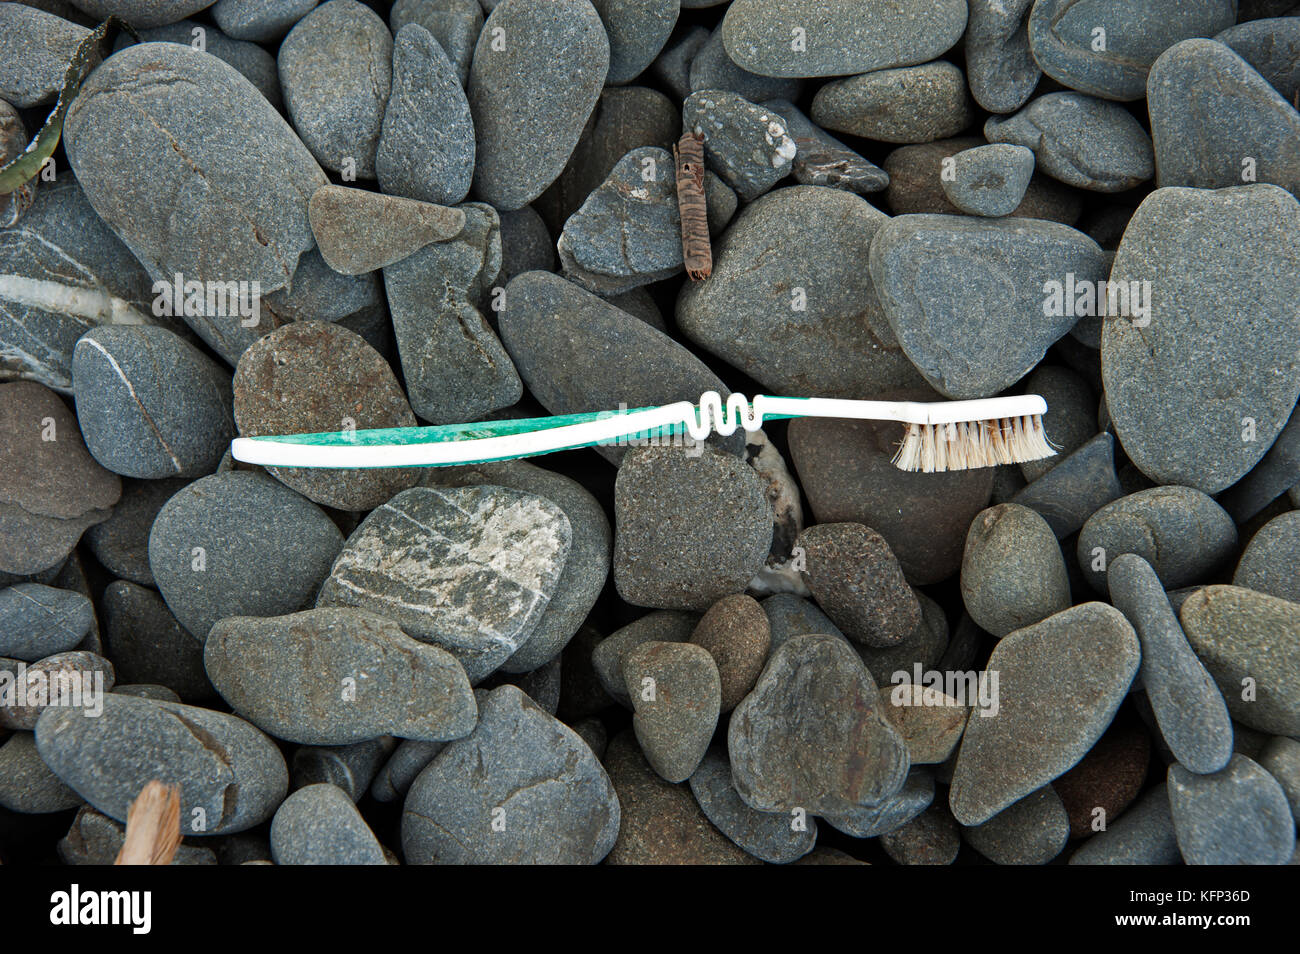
(261, 21)
(1013, 572)
(70, 680)
(990, 180)
(27, 785)
(790, 615)
(336, 70)
(1188, 707)
(51, 489)
(95, 839)
(1181, 532)
(788, 269)
(711, 68)
(1086, 142)
(355, 676)
(537, 73)
(394, 778)
(522, 788)
(470, 569)
(777, 838)
(1214, 119)
(839, 36)
(148, 645)
(916, 795)
(857, 580)
(1032, 831)
(1237, 816)
(454, 24)
(677, 544)
(956, 289)
(622, 360)
(35, 47)
(676, 695)
(1063, 35)
(1143, 835)
(930, 838)
(426, 148)
(1108, 778)
(736, 633)
(811, 735)
(319, 825)
(137, 146)
(121, 543)
(257, 65)
(239, 544)
(1232, 318)
(1000, 68)
(350, 767)
(1272, 47)
(1271, 561)
(1242, 635)
(908, 105)
(930, 722)
(638, 30)
(660, 822)
(1076, 488)
(313, 376)
(1060, 683)
(149, 403)
(38, 620)
(608, 656)
(746, 145)
(231, 776)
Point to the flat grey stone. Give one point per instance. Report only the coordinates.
(27, 786)
(38, 621)
(990, 180)
(916, 795)
(1083, 141)
(359, 231)
(231, 776)
(1231, 318)
(1013, 572)
(261, 21)
(1272, 47)
(663, 626)
(35, 48)
(1237, 816)
(711, 68)
(319, 825)
(676, 696)
(746, 145)
(1143, 835)
(1060, 684)
(1000, 68)
(1271, 561)
(239, 544)
(910, 104)
(821, 159)
(148, 645)
(470, 569)
(1076, 488)
(455, 24)
(775, 837)
(638, 30)
(522, 788)
(1033, 831)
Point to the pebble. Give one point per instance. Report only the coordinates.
(522, 788)
(788, 269)
(821, 159)
(746, 145)
(1210, 111)
(872, 821)
(1080, 140)
(257, 65)
(930, 722)
(141, 13)
(1032, 831)
(149, 403)
(35, 48)
(350, 767)
(907, 105)
(239, 544)
(119, 136)
(773, 837)
(1076, 488)
(148, 645)
(454, 24)
(360, 231)
(1064, 40)
(610, 654)
(38, 620)
(1143, 835)
(526, 244)
(672, 67)
(535, 79)
(1090, 652)
(1241, 635)
(789, 615)
(356, 676)
(1188, 707)
(1281, 759)
(676, 694)
(1000, 68)
(840, 37)
(628, 233)
(961, 323)
(736, 633)
(1107, 779)
(1271, 561)
(262, 21)
(1237, 816)
(1268, 480)
(1182, 533)
(477, 568)
(812, 735)
(1071, 418)
(336, 70)
(1272, 47)
(71, 679)
(394, 778)
(319, 825)
(990, 180)
(426, 146)
(27, 786)
(320, 293)
(689, 528)
(231, 776)
(638, 30)
(51, 489)
(1013, 572)
(314, 376)
(712, 69)
(96, 839)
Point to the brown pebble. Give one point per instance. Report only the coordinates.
(737, 635)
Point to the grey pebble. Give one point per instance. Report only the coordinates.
(319, 825)
(1071, 418)
(1271, 561)
(319, 293)
(638, 30)
(775, 837)
(351, 767)
(711, 68)
(872, 821)
(121, 543)
(38, 620)
(35, 48)
(257, 65)
(455, 24)
(1142, 835)
(990, 180)
(789, 615)
(1032, 831)
(526, 244)
(1237, 816)
(910, 104)
(745, 144)
(1013, 572)
(148, 645)
(261, 21)
(676, 696)
(394, 778)
(664, 626)
(1272, 47)
(1076, 488)
(857, 580)
(931, 838)
(1000, 68)
(672, 66)
(1278, 470)
(27, 786)
(821, 159)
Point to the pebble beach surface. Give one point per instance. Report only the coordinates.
(292, 216)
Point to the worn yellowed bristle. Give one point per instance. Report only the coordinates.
(936, 448)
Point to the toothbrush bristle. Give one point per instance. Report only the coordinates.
(936, 448)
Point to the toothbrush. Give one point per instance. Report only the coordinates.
(940, 436)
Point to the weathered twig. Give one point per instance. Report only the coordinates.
(693, 207)
(153, 826)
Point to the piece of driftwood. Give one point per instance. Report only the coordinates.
(697, 253)
(153, 826)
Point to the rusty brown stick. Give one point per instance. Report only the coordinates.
(697, 253)
(153, 826)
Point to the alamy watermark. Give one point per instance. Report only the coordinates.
(668, 435)
(976, 690)
(1098, 299)
(61, 688)
(179, 298)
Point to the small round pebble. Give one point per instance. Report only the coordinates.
(737, 635)
(319, 825)
(1013, 573)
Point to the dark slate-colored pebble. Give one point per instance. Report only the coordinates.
(1272, 47)
(38, 620)
(663, 626)
(319, 825)
(1000, 68)
(1032, 831)
(1143, 835)
(526, 244)
(148, 645)
(907, 105)
(1237, 816)
(775, 837)
(676, 696)
(1071, 418)
(121, 543)
(1270, 478)
(857, 580)
(1013, 572)
(261, 21)
(1281, 759)
(672, 66)
(455, 24)
(931, 838)
(637, 31)
(789, 615)
(872, 821)
(746, 145)
(27, 785)
(1076, 488)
